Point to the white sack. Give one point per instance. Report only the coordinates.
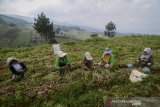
(137, 76)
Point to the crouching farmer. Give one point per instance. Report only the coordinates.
(87, 62)
(107, 60)
(62, 63)
(17, 68)
(145, 60)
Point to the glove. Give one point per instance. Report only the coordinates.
(143, 63)
(149, 64)
(99, 63)
(106, 66)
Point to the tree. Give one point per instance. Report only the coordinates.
(110, 29)
(58, 30)
(94, 35)
(12, 25)
(44, 27)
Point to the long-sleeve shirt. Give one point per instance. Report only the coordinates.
(149, 60)
(60, 61)
(14, 71)
(87, 63)
(110, 60)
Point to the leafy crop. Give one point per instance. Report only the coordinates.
(43, 86)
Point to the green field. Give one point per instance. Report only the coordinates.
(3, 29)
(27, 37)
(22, 39)
(43, 87)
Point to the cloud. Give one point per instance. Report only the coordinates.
(129, 15)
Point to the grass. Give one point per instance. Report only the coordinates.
(44, 87)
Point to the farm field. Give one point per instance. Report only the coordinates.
(43, 86)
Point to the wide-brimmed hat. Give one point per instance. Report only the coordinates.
(61, 54)
(88, 56)
(9, 60)
(107, 51)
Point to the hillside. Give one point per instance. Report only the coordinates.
(15, 31)
(13, 20)
(62, 24)
(28, 19)
(13, 36)
(78, 88)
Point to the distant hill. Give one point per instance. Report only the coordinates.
(25, 18)
(13, 20)
(57, 24)
(64, 24)
(83, 27)
(25, 35)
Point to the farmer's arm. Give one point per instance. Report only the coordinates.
(151, 60)
(112, 60)
(102, 57)
(57, 63)
(23, 66)
(14, 71)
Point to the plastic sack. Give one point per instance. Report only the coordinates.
(137, 76)
(56, 48)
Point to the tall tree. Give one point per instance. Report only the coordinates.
(110, 29)
(44, 27)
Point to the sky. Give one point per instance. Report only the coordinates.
(130, 16)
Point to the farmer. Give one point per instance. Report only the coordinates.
(145, 61)
(107, 59)
(17, 68)
(62, 62)
(87, 61)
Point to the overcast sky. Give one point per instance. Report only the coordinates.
(135, 16)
